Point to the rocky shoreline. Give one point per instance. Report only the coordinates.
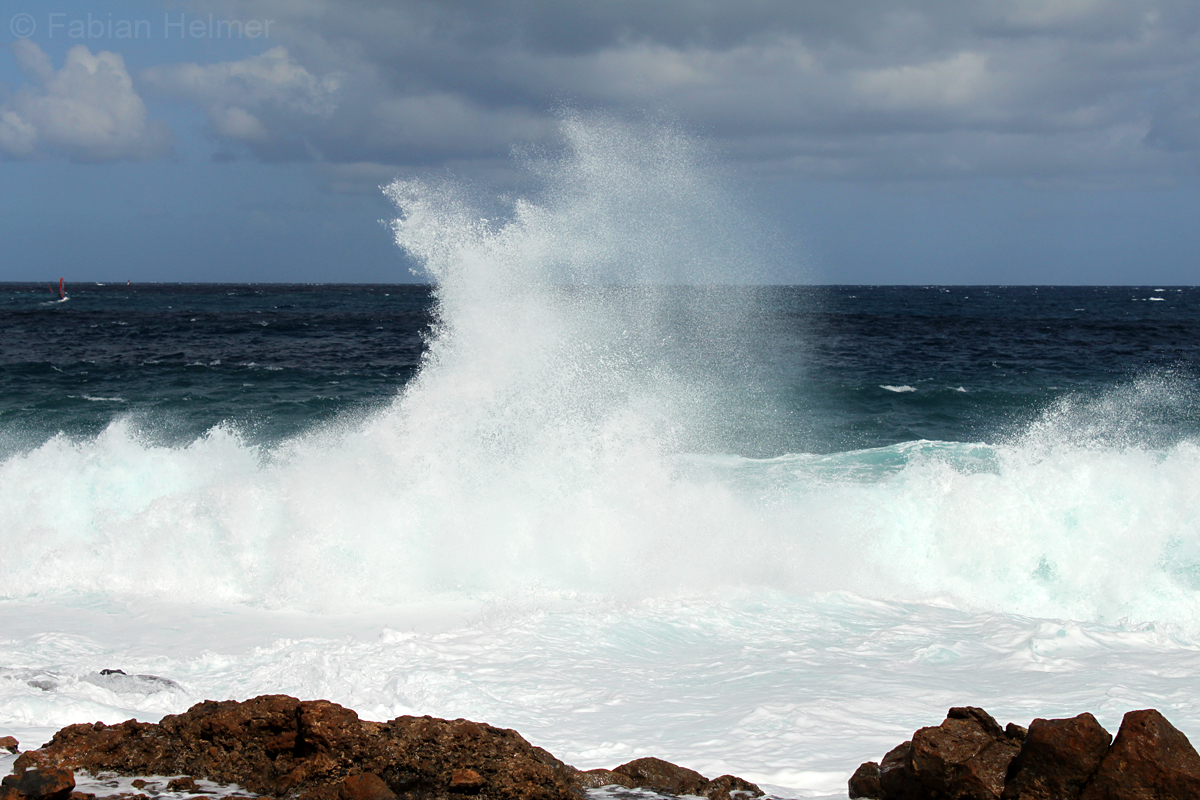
(970, 757)
(279, 746)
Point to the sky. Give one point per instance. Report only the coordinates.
(906, 142)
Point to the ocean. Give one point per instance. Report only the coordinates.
(594, 480)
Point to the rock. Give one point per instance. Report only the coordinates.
(964, 758)
(968, 757)
(466, 780)
(595, 778)
(116, 680)
(895, 781)
(729, 787)
(365, 786)
(662, 776)
(667, 778)
(1056, 759)
(1014, 731)
(185, 784)
(280, 746)
(9, 743)
(1149, 758)
(865, 782)
(40, 784)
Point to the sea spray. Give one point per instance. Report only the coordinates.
(624, 288)
(588, 422)
(581, 344)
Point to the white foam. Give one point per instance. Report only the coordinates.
(542, 530)
(789, 692)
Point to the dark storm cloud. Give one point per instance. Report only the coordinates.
(1047, 90)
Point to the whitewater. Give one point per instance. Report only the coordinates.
(591, 516)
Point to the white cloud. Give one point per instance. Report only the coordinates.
(237, 95)
(87, 110)
(18, 136)
(237, 123)
(32, 61)
(273, 77)
(956, 81)
(281, 110)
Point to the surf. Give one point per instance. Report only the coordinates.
(589, 420)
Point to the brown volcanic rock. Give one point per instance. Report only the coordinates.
(1149, 760)
(964, 758)
(968, 757)
(865, 782)
(1057, 758)
(466, 780)
(595, 778)
(38, 784)
(662, 776)
(895, 781)
(186, 784)
(278, 745)
(667, 778)
(365, 786)
(730, 787)
(726, 787)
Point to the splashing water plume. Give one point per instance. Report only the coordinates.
(579, 344)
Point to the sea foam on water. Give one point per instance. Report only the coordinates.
(574, 429)
(575, 520)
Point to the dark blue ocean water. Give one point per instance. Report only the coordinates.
(180, 359)
(841, 367)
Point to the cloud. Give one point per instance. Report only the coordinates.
(358, 178)
(1175, 124)
(87, 110)
(271, 79)
(279, 110)
(917, 89)
(246, 100)
(959, 80)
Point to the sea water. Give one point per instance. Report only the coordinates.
(597, 482)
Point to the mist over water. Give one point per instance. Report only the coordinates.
(607, 301)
